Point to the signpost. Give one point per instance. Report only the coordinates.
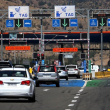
(65, 22)
(89, 66)
(17, 47)
(66, 11)
(28, 23)
(65, 49)
(108, 22)
(93, 23)
(55, 22)
(18, 22)
(73, 22)
(10, 23)
(18, 12)
(84, 66)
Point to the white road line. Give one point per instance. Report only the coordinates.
(71, 105)
(45, 89)
(77, 94)
(74, 101)
(67, 109)
(76, 97)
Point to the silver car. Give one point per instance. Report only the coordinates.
(62, 71)
(73, 70)
(16, 83)
(47, 75)
(81, 70)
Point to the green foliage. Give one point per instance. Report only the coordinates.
(41, 3)
(49, 4)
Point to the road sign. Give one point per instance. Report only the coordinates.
(101, 15)
(12, 36)
(18, 22)
(102, 21)
(9, 23)
(89, 66)
(18, 12)
(108, 22)
(65, 22)
(28, 23)
(73, 22)
(84, 66)
(65, 49)
(93, 23)
(17, 47)
(66, 11)
(55, 22)
(68, 56)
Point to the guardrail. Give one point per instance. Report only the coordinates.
(102, 74)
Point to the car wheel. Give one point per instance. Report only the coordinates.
(57, 84)
(67, 78)
(32, 99)
(37, 84)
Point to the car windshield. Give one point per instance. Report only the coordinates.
(60, 68)
(81, 68)
(47, 69)
(13, 73)
(71, 66)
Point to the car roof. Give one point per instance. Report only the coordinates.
(23, 69)
(61, 66)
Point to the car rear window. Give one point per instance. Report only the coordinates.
(13, 74)
(5, 64)
(81, 68)
(60, 68)
(47, 69)
(71, 66)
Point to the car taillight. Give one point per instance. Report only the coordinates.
(38, 69)
(1, 82)
(65, 70)
(75, 69)
(26, 82)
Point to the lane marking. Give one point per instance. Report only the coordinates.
(77, 94)
(45, 89)
(67, 109)
(71, 105)
(74, 101)
(76, 97)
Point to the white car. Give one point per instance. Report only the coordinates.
(73, 70)
(16, 83)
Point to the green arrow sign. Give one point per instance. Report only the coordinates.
(64, 24)
(102, 23)
(18, 25)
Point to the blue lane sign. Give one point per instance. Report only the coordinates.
(73, 22)
(28, 23)
(84, 66)
(55, 22)
(9, 23)
(93, 23)
(108, 22)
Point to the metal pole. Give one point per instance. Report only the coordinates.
(41, 38)
(1, 44)
(101, 49)
(14, 57)
(88, 37)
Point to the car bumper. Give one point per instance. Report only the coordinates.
(16, 92)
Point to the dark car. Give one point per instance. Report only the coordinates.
(47, 74)
(5, 64)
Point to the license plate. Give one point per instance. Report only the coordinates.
(11, 84)
(46, 75)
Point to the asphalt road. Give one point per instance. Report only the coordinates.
(94, 98)
(47, 98)
(91, 97)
